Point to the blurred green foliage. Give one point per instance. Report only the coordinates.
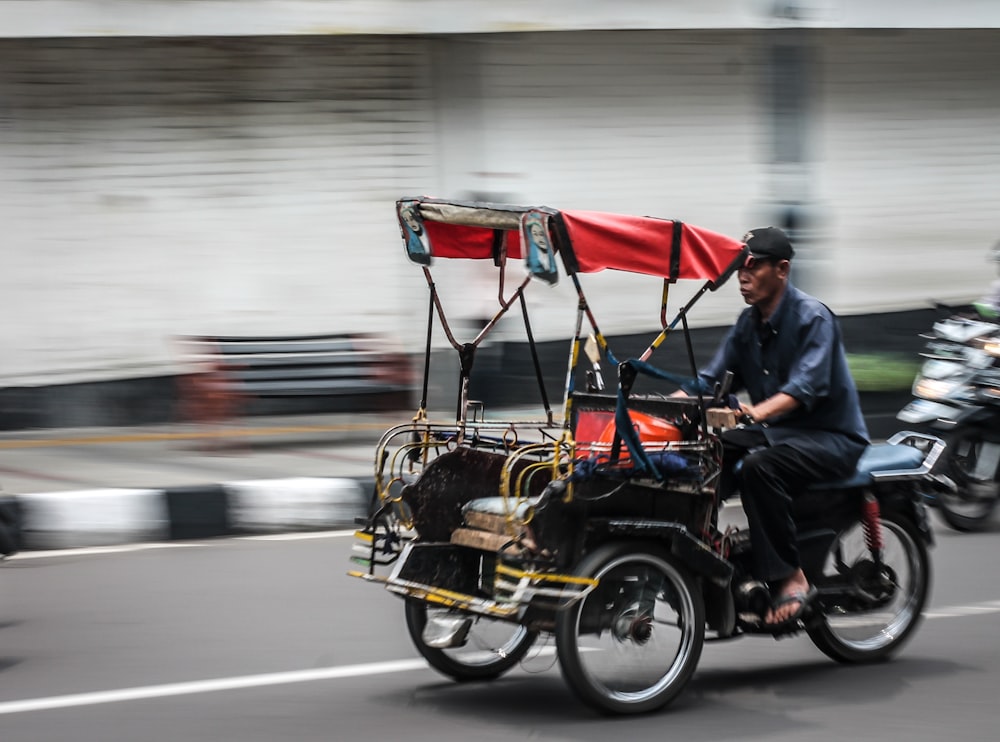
(882, 372)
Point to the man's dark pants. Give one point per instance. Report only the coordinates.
(769, 479)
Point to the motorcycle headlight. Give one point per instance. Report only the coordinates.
(933, 388)
(988, 346)
(992, 347)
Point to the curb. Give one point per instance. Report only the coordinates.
(116, 516)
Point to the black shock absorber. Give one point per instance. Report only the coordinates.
(870, 521)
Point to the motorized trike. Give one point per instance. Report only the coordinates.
(600, 527)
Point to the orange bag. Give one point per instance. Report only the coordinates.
(652, 430)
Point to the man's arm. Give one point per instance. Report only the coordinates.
(725, 359)
(779, 404)
(809, 378)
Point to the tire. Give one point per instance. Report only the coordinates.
(632, 644)
(851, 634)
(10, 526)
(8, 546)
(971, 507)
(491, 649)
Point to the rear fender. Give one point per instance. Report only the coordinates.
(909, 501)
(691, 551)
(818, 511)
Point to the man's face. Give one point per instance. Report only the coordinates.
(762, 280)
(538, 235)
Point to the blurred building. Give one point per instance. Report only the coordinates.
(201, 167)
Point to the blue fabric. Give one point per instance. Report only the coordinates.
(798, 352)
(623, 421)
(665, 462)
(625, 428)
(658, 373)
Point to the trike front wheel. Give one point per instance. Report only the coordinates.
(632, 644)
(490, 647)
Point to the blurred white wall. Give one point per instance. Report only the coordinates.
(155, 187)
(53, 18)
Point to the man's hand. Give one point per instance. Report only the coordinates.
(779, 404)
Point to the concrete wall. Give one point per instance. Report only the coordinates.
(162, 186)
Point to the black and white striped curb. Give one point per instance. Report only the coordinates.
(105, 517)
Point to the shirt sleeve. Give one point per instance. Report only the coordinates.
(726, 358)
(809, 376)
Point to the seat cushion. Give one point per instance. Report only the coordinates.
(496, 506)
(878, 457)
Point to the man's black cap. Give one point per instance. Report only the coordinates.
(768, 243)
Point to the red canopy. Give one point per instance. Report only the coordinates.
(641, 244)
(597, 240)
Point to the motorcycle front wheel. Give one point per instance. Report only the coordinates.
(972, 464)
(490, 647)
(632, 644)
(878, 605)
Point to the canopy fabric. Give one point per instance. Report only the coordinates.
(597, 240)
(469, 243)
(640, 244)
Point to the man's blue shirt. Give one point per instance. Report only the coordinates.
(798, 351)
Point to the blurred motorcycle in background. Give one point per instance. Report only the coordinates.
(957, 394)
(9, 526)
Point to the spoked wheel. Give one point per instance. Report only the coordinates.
(631, 645)
(490, 647)
(881, 605)
(972, 464)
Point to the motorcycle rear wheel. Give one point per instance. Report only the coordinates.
(970, 507)
(492, 647)
(632, 644)
(852, 635)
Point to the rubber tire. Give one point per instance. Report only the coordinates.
(827, 641)
(416, 620)
(957, 520)
(566, 632)
(8, 545)
(10, 526)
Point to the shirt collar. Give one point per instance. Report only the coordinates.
(779, 312)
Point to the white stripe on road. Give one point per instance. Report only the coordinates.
(308, 676)
(145, 546)
(92, 550)
(297, 536)
(209, 686)
(958, 611)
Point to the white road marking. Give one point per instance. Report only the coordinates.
(309, 676)
(94, 550)
(208, 686)
(297, 536)
(125, 548)
(958, 611)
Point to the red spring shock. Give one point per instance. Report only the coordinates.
(873, 527)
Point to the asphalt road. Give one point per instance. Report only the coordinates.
(266, 639)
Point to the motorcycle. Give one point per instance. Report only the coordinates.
(10, 526)
(599, 530)
(957, 394)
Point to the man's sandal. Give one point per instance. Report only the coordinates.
(804, 599)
